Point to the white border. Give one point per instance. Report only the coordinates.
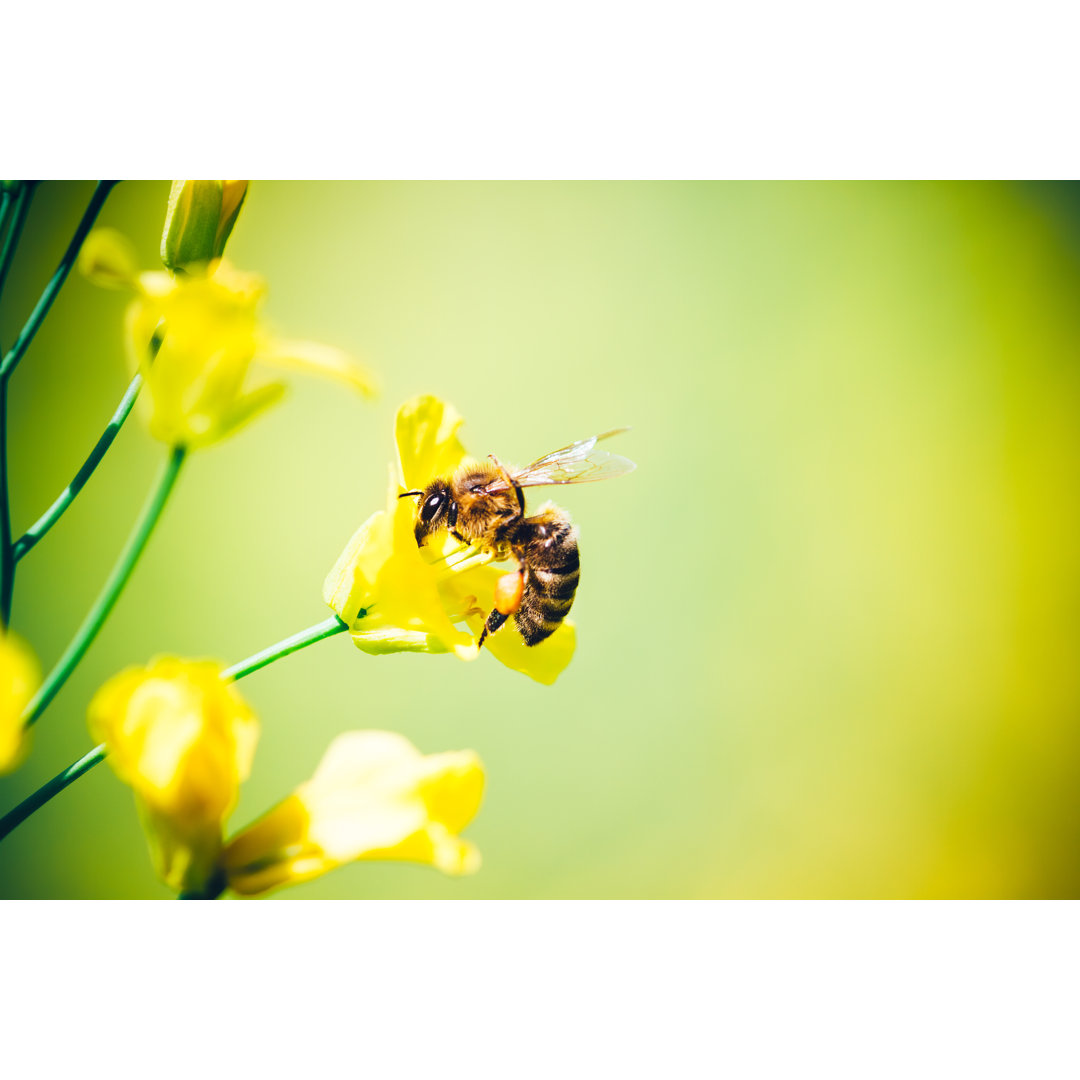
(571, 989)
(580, 89)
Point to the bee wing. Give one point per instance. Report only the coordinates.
(578, 463)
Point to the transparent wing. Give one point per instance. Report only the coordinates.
(578, 463)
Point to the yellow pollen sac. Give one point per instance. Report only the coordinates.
(508, 590)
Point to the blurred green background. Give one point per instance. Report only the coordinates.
(828, 631)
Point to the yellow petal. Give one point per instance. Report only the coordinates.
(406, 589)
(247, 407)
(427, 443)
(373, 796)
(382, 573)
(381, 641)
(20, 677)
(543, 663)
(314, 359)
(186, 853)
(348, 585)
(452, 787)
(195, 384)
(435, 845)
(183, 740)
(397, 597)
(107, 258)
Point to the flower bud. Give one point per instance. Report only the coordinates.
(199, 219)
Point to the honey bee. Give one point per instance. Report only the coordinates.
(484, 505)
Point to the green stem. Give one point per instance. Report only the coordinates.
(37, 316)
(112, 588)
(7, 551)
(67, 496)
(44, 793)
(238, 671)
(21, 204)
(302, 640)
(5, 205)
(213, 888)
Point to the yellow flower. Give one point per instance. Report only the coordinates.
(198, 221)
(107, 258)
(373, 796)
(397, 597)
(194, 337)
(20, 677)
(183, 740)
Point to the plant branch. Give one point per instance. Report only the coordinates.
(288, 645)
(44, 793)
(52, 289)
(7, 551)
(110, 592)
(240, 670)
(20, 205)
(67, 496)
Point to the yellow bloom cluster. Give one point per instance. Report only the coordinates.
(397, 597)
(184, 739)
(194, 338)
(177, 731)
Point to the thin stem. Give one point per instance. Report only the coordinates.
(301, 640)
(15, 354)
(213, 888)
(5, 206)
(44, 793)
(21, 205)
(111, 590)
(7, 552)
(67, 496)
(238, 671)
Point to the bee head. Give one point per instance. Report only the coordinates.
(432, 510)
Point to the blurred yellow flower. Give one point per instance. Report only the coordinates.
(20, 677)
(397, 597)
(198, 221)
(107, 258)
(194, 337)
(183, 740)
(373, 796)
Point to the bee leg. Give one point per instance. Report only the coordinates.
(508, 592)
(494, 621)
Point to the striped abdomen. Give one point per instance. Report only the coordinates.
(547, 547)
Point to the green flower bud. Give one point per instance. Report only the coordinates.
(199, 219)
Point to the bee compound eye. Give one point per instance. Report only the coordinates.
(430, 507)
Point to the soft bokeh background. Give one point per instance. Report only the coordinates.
(828, 632)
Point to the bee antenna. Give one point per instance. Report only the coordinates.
(405, 494)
